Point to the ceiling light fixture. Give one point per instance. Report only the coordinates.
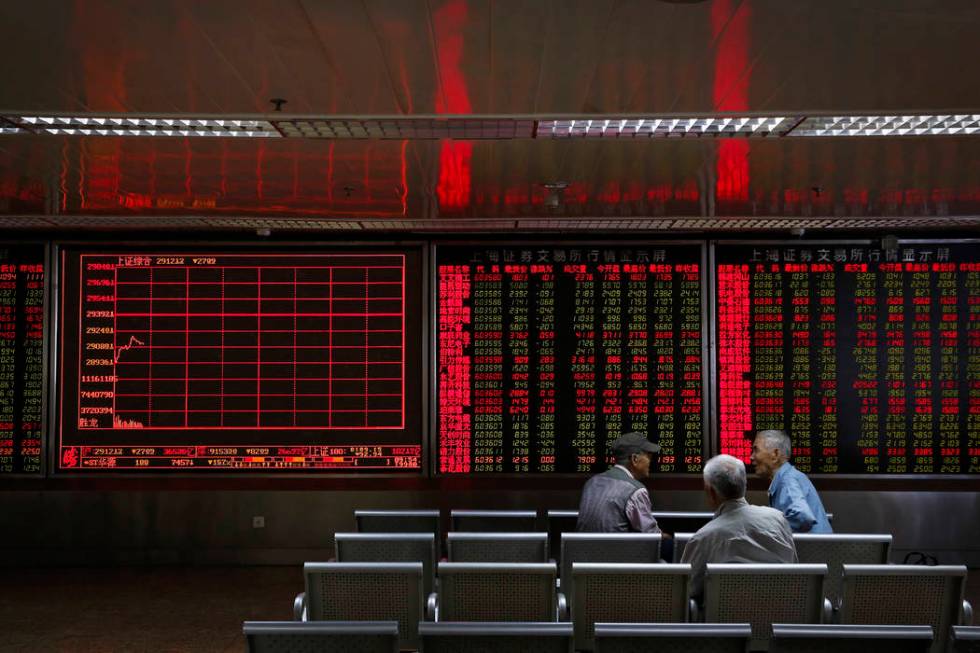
(894, 125)
(143, 126)
(666, 127)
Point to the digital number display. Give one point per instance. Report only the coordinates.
(223, 360)
(21, 358)
(546, 354)
(868, 357)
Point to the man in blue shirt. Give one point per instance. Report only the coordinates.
(790, 491)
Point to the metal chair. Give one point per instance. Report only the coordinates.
(495, 591)
(364, 591)
(836, 549)
(965, 639)
(762, 594)
(400, 521)
(496, 637)
(497, 547)
(390, 547)
(673, 521)
(638, 548)
(627, 593)
(671, 638)
(325, 636)
(835, 638)
(560, 521)
(680, 541)
(494, 521)
(907, 594)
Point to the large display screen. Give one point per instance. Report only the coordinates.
(216, 359)
(21, 357)
(547, 353)
(868, 356)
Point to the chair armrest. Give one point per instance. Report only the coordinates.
(966, 614)
(562, 607)
(828, 611)
(299, 607)
(692, 611)
(432, 607)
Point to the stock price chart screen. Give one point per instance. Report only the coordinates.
(21, 357)
(869, 358)
(231, 360)
(546, 354)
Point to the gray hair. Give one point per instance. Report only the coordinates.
(726, 476)
(776, 439)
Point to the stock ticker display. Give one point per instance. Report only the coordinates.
(231, 360)
(868, 357)
(21, 358)
(545, 354)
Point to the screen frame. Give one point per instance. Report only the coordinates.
(435, 244)
(417, 246)
(827, 480)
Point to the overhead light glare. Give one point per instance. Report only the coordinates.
(891, 125)
(666, 127)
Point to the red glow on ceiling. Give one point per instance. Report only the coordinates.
(455, 157)
(730, 32)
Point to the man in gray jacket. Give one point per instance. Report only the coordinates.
(616, 501)
(739, 532)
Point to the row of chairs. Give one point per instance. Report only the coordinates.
(443, 637)
(633, 593)
(834, 550)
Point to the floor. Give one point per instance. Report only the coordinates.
(155, 609)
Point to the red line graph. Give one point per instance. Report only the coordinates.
(321, 345)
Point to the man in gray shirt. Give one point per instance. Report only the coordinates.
(616, 501)
(739, 532)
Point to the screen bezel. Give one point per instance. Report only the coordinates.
(60, 248)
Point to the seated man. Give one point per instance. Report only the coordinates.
(790, 491)
(616, 501)
(739, 532)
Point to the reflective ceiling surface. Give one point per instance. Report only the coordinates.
(459, 57)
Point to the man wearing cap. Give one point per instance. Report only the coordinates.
(616, 501)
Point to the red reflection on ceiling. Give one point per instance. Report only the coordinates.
(730, 93)
(455, 157)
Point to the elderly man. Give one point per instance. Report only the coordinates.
(790, 491)
(616, 500)
(739, 532)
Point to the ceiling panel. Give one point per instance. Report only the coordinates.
(413, 57)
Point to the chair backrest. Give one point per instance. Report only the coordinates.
(835, 549)
(390, 547)
(497, 591)
(836, 638)
(638, 548)
(497, 547)
(505, 637)
(494, 521)
(763, 594)
(397, 521)
(965, 639)
(684, 521)
(904, 594)
(671, 638)
(367, 591)
(560, 521)
(680, 541)
(326, 636)
(626, 593)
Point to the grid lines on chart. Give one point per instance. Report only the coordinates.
(279, 342)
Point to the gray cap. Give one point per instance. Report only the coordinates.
(630, 443)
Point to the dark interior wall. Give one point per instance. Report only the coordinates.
(214, 526)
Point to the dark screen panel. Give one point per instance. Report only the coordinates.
(214, 359)
(547, 353)
(21, 357)
(868, 357)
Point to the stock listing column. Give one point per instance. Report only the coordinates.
(867, 356)
(571, 347)
(21, 358)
